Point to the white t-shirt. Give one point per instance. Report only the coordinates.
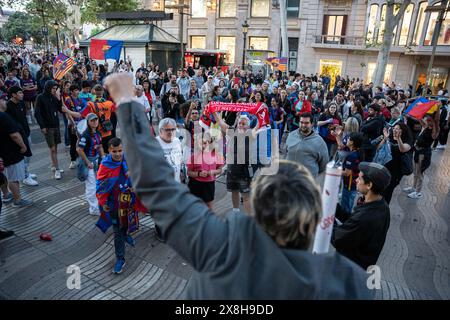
(144, 101)
(173, 153)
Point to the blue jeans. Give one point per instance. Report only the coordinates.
(348, 199)
(120, 234)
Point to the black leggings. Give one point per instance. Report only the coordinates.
(396, 177)
(443, 137)
(73, 145)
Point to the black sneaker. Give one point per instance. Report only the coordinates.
(6, 234)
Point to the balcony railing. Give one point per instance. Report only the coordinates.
(340, 40)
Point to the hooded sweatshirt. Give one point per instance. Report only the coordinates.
(310, 151)
(47, 107)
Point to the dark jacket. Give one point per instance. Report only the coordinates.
(373, 127)
(47, 108)
(233, 258)
(362, 235)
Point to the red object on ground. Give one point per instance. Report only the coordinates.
(45, 236)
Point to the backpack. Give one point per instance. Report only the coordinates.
(106, 124)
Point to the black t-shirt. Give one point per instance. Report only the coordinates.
(239, 169)
(9, 150)
(19, 113)
(425, 139)
(396, 163)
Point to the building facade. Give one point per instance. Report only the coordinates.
(4, 15)
(324, 36)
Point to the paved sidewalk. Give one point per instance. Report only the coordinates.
(414, 263)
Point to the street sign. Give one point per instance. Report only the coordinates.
(45, 31)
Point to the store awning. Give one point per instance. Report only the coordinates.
(134, 34)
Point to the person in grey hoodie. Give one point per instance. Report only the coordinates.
(306, 147)
(263, 256)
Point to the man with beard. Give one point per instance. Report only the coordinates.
(168, 85)
(306, 147)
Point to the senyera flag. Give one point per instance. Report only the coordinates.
(105, 49)
(258, 109)
(61, 65)
(422, 106)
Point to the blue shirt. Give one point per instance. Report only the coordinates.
(90, 143)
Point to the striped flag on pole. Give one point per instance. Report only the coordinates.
(61, 65)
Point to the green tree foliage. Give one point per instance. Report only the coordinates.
(48, 11)
(91, 8)
(23, 25)
(96, 30)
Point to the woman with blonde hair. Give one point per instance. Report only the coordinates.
(342, 133)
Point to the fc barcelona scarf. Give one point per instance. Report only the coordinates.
(258, 109)
(113, 191)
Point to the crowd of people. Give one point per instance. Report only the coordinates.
(317, 119)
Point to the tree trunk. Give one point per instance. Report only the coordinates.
(284, 37)
(383, 55)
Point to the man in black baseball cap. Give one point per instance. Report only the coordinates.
(360, 235)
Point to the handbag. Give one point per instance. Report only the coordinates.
(383, 154)
(407, 163)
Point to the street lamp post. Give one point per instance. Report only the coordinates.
(244, 31)
(44, 27)
(180, 6)
(56, 26)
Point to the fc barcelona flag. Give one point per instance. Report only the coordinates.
(105, 49)
(278, 63)
(61, 65)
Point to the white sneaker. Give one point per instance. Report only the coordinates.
(32, 175)
(72, 165)
(415, 195)
(29, 182)
(409, 190)
(57, 174)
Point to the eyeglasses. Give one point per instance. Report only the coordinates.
(169, 129)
